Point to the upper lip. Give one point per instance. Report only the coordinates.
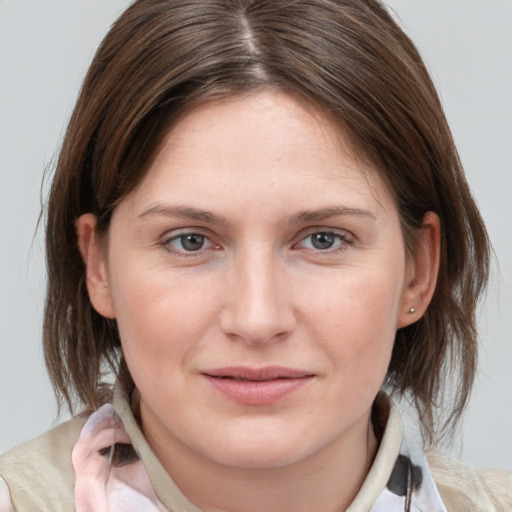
(266, 373)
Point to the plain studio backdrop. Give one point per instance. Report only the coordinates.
(45, 49)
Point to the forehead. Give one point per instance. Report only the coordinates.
(259, 143)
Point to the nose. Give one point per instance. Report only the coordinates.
(258, 307)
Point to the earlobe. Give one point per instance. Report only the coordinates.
(423, 271)
(95, 265)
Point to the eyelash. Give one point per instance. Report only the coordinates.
(343, 240)
(166, 243)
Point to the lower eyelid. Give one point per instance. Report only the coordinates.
(209, 244)
(342, 238)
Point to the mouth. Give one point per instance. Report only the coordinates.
(257, 386)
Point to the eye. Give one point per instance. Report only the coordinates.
(187, 243)
(323, 240)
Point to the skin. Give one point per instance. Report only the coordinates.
(259, 179)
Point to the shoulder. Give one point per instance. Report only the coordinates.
(39, 473)
(463, 487)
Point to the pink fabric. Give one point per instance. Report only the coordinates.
(102, 486)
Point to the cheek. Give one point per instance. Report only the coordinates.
(354, 318)
(159, 315)
(355, 302)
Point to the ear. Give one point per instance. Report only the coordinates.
(94, 259)
(422, 271)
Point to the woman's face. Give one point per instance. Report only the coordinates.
(258, 277)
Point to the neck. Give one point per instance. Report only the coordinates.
(326, 481)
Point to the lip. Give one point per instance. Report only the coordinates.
(257, 386)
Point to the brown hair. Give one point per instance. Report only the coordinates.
(350, 59)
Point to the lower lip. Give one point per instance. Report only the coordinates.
(257, 392)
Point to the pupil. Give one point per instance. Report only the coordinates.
(322, 240)
(192, 242)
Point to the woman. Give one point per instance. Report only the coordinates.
(269, 225)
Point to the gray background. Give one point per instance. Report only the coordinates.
(45, 47)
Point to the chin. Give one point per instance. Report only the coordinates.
(267, 450)
(259, 458)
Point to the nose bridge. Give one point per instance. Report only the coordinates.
(259, 309)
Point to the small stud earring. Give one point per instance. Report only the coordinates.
(411, 311)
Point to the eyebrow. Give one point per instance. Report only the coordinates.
(183, 212)
(191, 213)
(330, 211)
